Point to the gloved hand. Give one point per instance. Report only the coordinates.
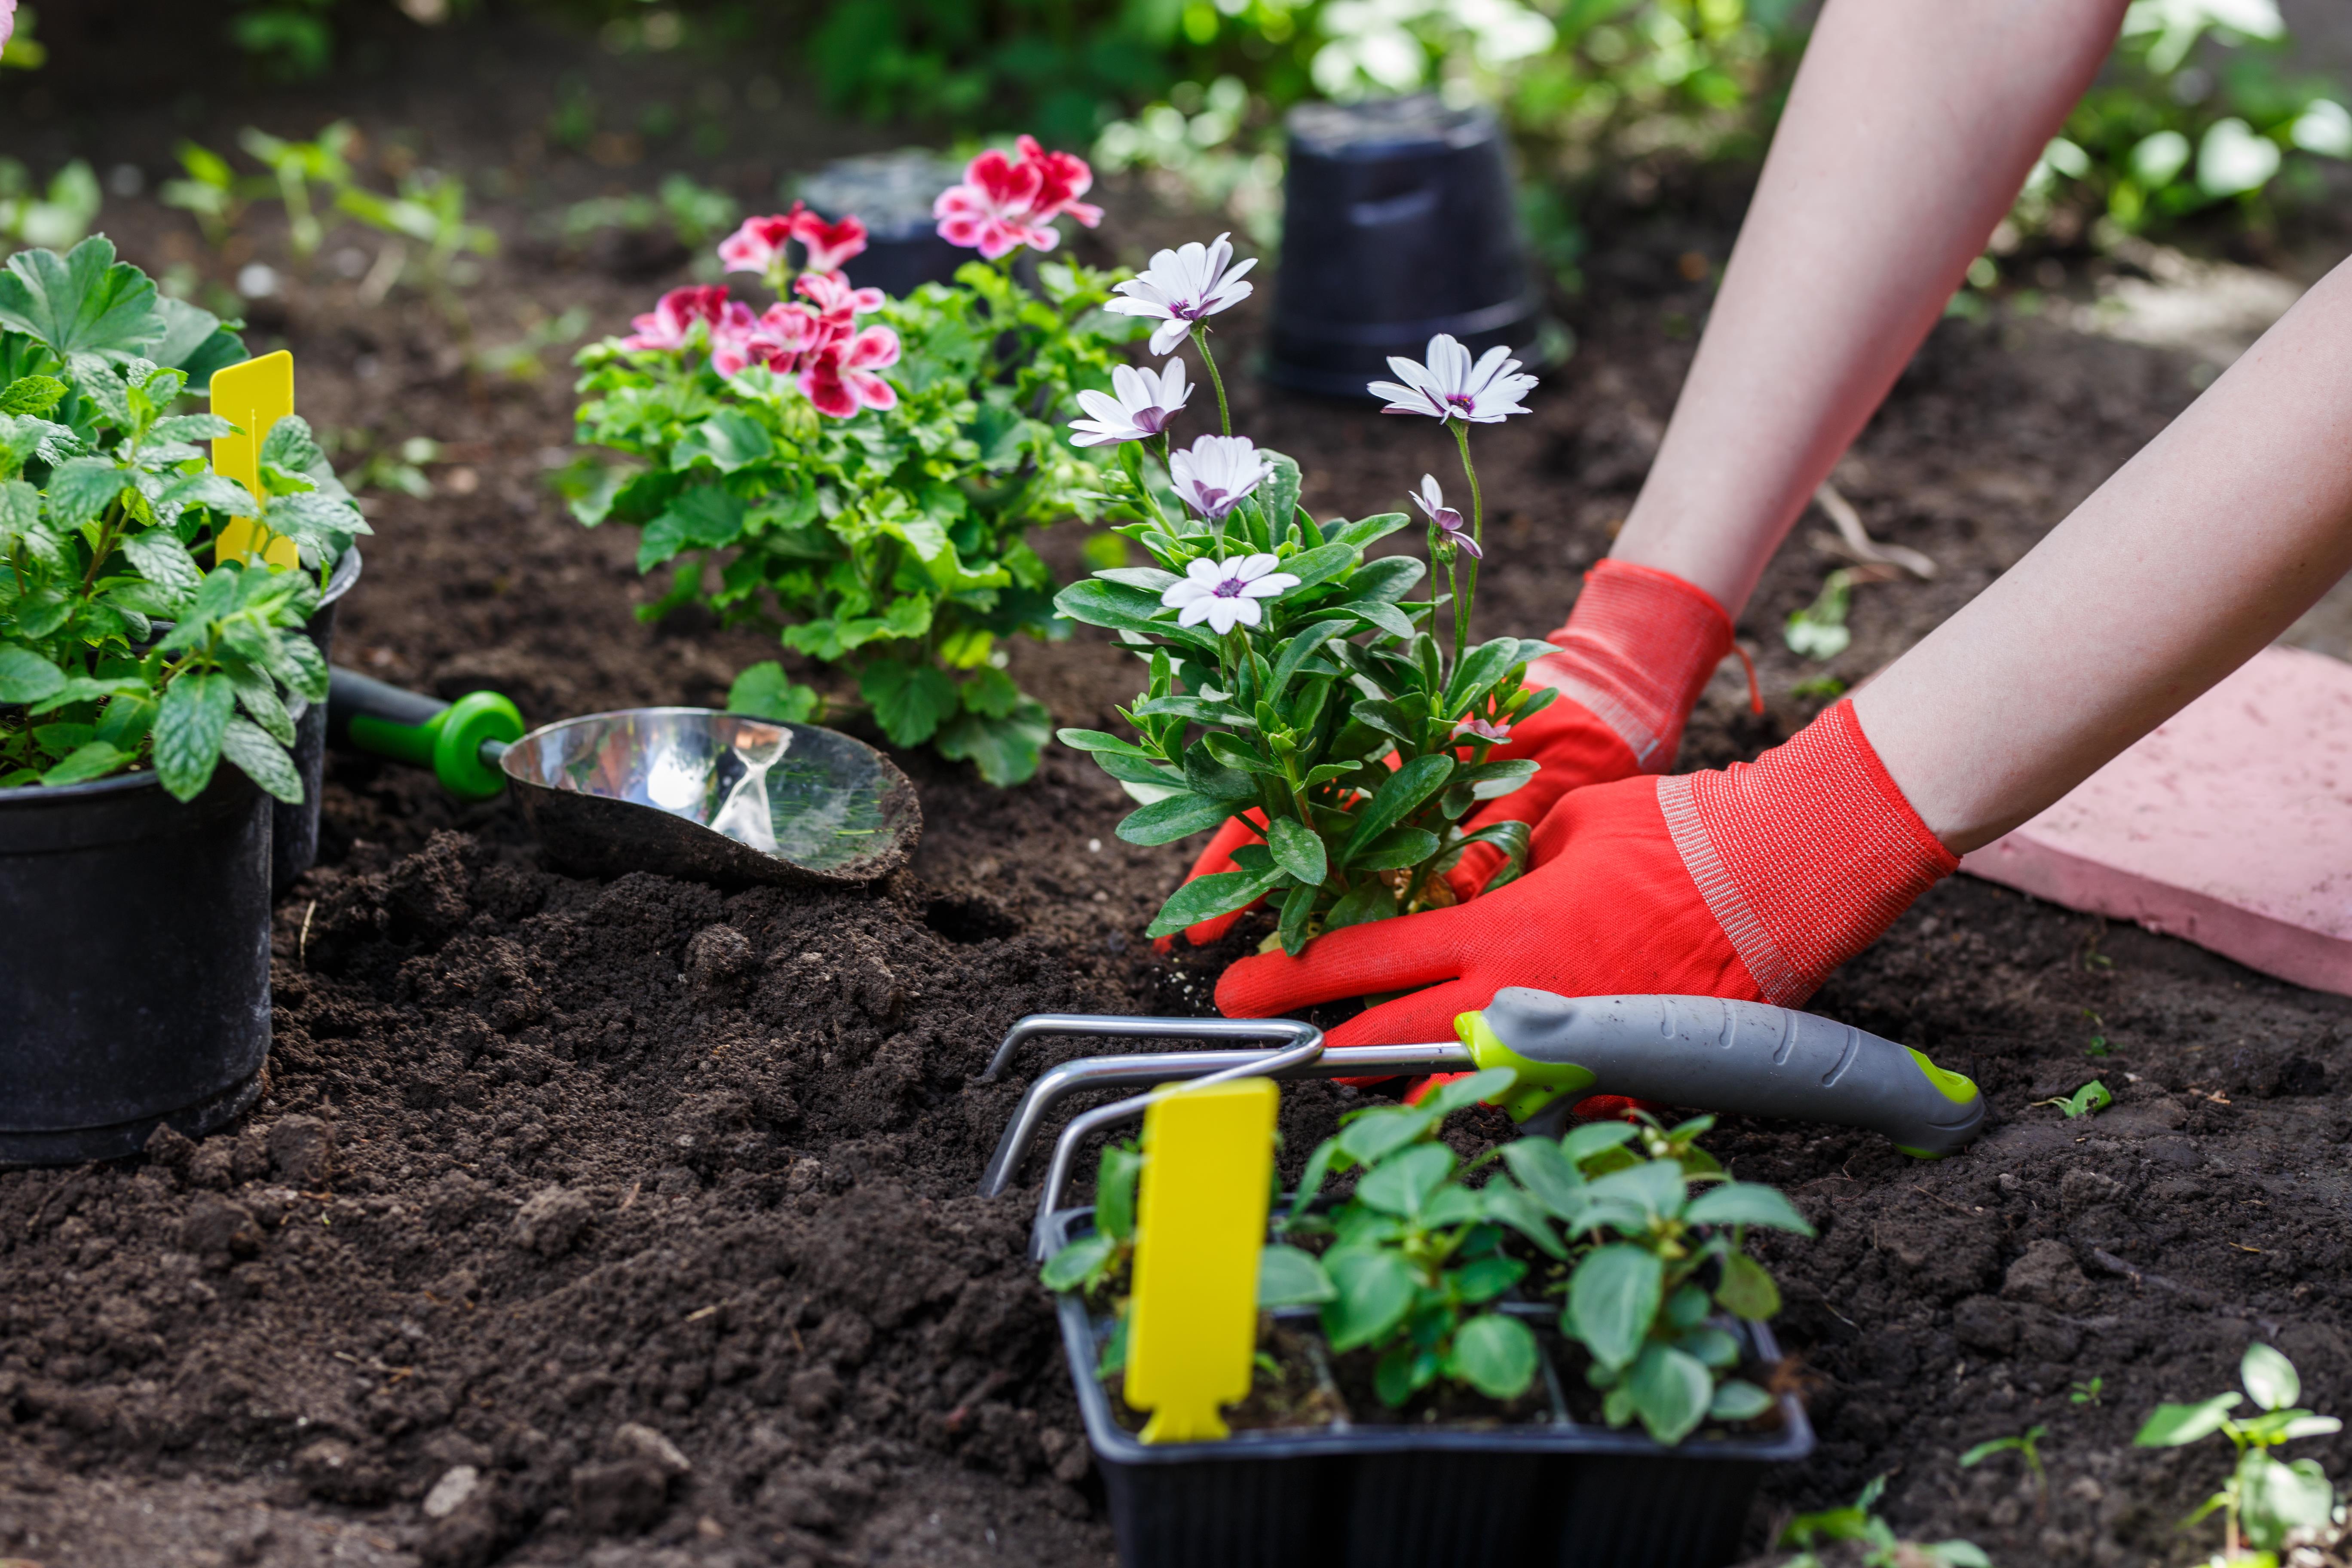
(1639, 647)
(1751, 883)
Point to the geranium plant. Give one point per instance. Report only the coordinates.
(859, 473)
(1292, 679)
(119, 650)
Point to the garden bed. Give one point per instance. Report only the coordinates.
(631, 1223)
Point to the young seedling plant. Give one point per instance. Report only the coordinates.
(1858, 1521)
(117, 650)
(2026, 1445)
(2268, 1503)
(875, 522)
(1291, 680)
(2088, 1100)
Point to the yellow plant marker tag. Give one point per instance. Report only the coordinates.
(1192, 1326)
(253, 396)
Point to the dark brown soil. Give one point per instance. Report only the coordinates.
(631, 1223)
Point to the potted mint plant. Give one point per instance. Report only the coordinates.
(134, 867)
(1562, 1360)
(857, 473)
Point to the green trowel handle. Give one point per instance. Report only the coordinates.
(366, 715)
(1743, 1057)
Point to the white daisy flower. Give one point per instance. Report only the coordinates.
(1181, 287)
(1226, 593)
(1217, 473)
(1139, 403)
(1450, 387)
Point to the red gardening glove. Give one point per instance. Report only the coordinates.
(1639, 647)
(1751, 883)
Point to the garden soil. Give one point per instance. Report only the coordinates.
(632, 1223)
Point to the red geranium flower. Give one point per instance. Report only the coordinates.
(672, 317)
(840, 379)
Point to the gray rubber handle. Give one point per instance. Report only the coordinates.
(1744, 1057)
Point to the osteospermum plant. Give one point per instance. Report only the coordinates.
(858, 474)
(1292, 679)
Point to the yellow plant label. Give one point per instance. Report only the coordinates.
(1208, 1170)
(253, 396)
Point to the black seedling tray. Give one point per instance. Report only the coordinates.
(1560, 1494)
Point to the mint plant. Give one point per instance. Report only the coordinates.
(1654, 1263)
(1102, 1257)
(1292, 681)
(117, 650)
(2268, 1503)
(865, 490)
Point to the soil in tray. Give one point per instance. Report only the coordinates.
(629, 1224)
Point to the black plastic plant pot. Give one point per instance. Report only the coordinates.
(891, 193)
(1398, 223)
(294, 829)
(1556, 1493)
(134, 979)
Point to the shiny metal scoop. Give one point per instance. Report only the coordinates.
(693, 791)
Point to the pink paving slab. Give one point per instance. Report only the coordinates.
(2230, 825)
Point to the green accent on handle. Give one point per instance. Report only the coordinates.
(1953, 1087)
(1539, 1083)
(450, 742)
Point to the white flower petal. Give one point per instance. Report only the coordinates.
(1269, 587)
(1176, 596)
(1169, 335)
(1250, 566)
(1206, 571)
(1203, 608)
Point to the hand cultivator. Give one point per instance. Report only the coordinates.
(686, 791)
(1741, 1057)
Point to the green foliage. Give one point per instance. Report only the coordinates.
(117, 649)
(2088, 1100)
(2026, 1445)
(891, 543)
(1857, 1522)
(2267, 1503)
(1101, 1259)
(58, 216)
(693, 214)
(1819, 630)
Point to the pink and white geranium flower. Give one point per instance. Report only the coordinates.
(1181, 287)
(7, 21)
(732, 338)
(758, 245)
(840, 378)
(1451, 529)
(672, 317)
(1004, 203)
(1226, 593)
(1215, 476)
(829, 245)
(1139, 406)
(834, 300)
(1449, 387)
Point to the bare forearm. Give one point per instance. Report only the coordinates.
(1911, 125)
(2202, 549)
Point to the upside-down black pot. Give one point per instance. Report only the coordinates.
(1398, 223)
(1557, 1493)
(134, 963)
(294, 828)
(891, 193)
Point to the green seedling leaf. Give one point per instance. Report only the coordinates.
(1506, 1203)
(2171, 1425)
(1376, 1291)
(1075, 1263)
(1747, 1202)
(2269, 1377)
(2087, 1101)
(1495, 1356)
(1114, 1182)
(764, 691)
(2276, 1497)
(1373, 1135)
(27, 677)
(1735, 1400)
(1747, 1289)
(1671, 1392)
(1404, 1183)
(1613, 1298)
(1462, 1093)
(1288, 1276)
(1584, 1144)
(1544, 1169)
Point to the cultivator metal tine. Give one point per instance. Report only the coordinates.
(1120, 1025)
(1157, 1067)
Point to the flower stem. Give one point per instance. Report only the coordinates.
(1225, 415)
(1469, 590)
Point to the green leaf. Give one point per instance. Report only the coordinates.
(2270, 1378)
(1297, 909)
(260, 758)
(2276, 1497)
(1506, 1203)
(1547, 1174)
(1205, 898)
(93, 760)
(1070, 1267)
(730, 438)
(189, 728)
(1204, 776)
(1297, 850)
(1006, 751)
(764, 691)
(81, 489)
(1116, 1179)
(85, 301)
(31, 395)
(1288, 1276)
(1097, 741)
(1737, 1399)
(1403, 1184)
(1747, 1289)
(1747, 1202)
(1404, 791)
(194, 343)
(1581, 1143)
(1367, 900)
(2171, 1425)
(27, 677)
(1319, 565)
(1484, 1279)
(1296, 649)
(1376, 1289)
(1277, 493)
(1613, 1298)
(909, 700)
(1122, 608)
(1393, 851)
(1495, 1356)
(703, 517)
(163, 560)
(1178, 817)
(257, 695)
(1365, 531)
(1671, 1392)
